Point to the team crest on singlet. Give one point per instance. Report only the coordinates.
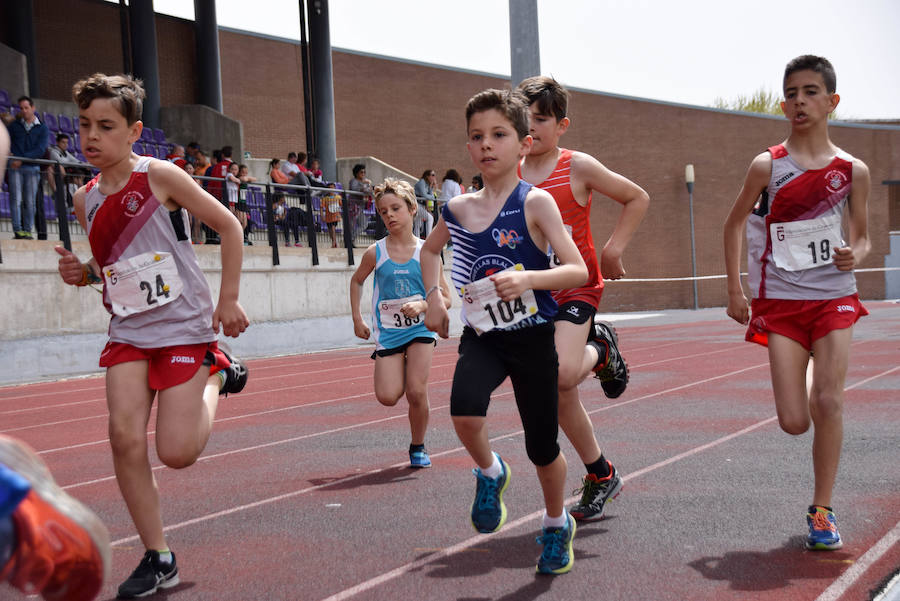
(836, 180)
(132, 202)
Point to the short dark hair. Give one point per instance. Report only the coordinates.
(60, 136)
(811, 62)
(551, 97)
(357, 168)
(292, 155)
(301, 157)
(510, 103)
(226, 152)
(126, 92)
(28, 98)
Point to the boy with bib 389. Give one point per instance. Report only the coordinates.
(800, 269)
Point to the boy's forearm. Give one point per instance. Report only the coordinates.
(558, 278)
(232, 251)
(733, 244)
(629, 219)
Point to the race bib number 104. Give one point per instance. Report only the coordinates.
(141, 283)
(485, 311)
(800, 245)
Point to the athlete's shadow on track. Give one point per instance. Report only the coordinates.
(163, 593)
(509, 552)
(774, 569)
(350, 481)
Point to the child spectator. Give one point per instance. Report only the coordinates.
(800, 272)
(403, 346)
(504, 279)
(233, 189)
(332, 204)
(572, 178)
(162, 333)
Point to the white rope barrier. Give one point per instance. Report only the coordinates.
(721, 277)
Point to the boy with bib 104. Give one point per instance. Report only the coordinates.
(801, 252)
(502, 273)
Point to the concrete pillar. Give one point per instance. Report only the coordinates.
(209, 73)
(524, 45)
(323, 87)
(20, 29)
(144, 57)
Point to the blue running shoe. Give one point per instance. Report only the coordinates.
(419, 459)
(823, 532)
(488, 510)
(557, 557)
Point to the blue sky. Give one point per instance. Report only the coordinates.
(691, 51)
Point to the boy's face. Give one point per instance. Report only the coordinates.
(545, 129)
(806, 101)
(395, 213)
(106, 137)
(494, 145)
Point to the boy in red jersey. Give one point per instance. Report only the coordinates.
(163, 329)
(572, 178)
(800, 272)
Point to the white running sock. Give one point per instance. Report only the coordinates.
(559, 522)
(496, 468)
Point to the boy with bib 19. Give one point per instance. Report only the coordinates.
(801, 252)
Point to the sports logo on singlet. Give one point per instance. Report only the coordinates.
(504, 237)
(836, 180)
(132, 202)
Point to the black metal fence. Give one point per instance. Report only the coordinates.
(279, 215)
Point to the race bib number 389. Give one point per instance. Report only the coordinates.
(485, 311)
(392, 317)
(141, 283)
(800, 245)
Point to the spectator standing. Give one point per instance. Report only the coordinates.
(425, 196)
(477, 183)
(201, 163)
(29, 138)
(72, 179)
(332, 203)
(232, 191)
(363, 187)
(451, 187)
(220, 170)
(190, 153)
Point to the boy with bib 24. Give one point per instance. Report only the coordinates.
(801, 272)
(163, 328)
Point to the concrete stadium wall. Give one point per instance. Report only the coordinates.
(410, 116)
(50, 330)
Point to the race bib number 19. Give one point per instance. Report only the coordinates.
(485, 311)
(800, 245)
(142, 283)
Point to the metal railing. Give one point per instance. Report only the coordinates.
(274, 213)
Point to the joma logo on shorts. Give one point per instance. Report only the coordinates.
(845, 309)
(179, 359)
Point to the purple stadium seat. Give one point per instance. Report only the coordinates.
(4, 98)
(146, 135)
(137, 148)
(65, 124)
(50, 121)
(159, 136)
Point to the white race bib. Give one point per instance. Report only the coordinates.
(392, 318)
(484, 310)
(800, 245)
(142, 283)
(554, 260)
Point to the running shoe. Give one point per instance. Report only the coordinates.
(237, 373)
(611, 370)
(488, 510)
(595, 494)
(823, 532)
(419, 459)
(62, 549)
(150, 576)
(557, 556)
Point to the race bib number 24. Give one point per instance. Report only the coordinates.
(141, 283)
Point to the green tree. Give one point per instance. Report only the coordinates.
(761, 101)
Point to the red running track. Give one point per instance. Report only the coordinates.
(303, 491)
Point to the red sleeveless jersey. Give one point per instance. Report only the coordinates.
(577, 219)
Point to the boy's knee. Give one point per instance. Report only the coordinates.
(794, 425)
(124, 442)
(388, 399)
(569, 377)
(825, 406)
(416, 396)
(177, 458)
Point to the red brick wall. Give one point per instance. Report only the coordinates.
(411, 116)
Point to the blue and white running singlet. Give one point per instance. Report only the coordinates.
(395, 285)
